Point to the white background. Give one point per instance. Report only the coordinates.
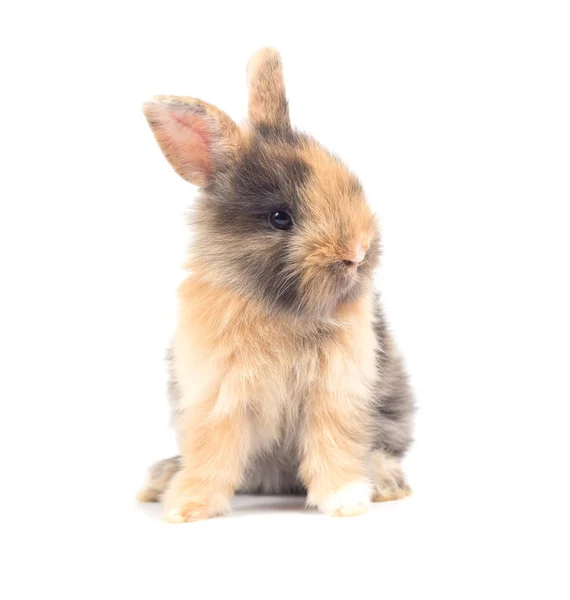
(456, 115)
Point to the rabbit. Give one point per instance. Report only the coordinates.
(284, 378)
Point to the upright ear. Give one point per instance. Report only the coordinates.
(267, 100)
(196, 137)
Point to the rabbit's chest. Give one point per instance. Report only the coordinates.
(274, 372)
(232, 356)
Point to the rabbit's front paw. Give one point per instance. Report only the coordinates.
(184, 501)
(349, 501)
(185, 512)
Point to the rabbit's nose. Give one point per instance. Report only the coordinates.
(356, 257)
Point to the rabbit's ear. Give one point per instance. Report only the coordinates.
(195, 137)
(268, 108)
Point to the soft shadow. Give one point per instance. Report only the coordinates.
(246, 505)
(242, 506)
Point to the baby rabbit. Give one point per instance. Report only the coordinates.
(284, 378)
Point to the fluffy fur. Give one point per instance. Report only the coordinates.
(284, 378)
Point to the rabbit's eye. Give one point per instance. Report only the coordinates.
(281, 219)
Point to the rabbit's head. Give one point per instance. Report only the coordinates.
(278, 218)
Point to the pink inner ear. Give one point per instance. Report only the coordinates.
(191, 135)
(185, 136)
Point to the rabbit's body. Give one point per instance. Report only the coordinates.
(277, 411)
(283, 376)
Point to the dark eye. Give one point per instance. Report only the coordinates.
(281, 219)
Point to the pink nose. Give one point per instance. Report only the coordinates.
(357, 257)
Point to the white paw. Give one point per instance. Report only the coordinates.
(351, 500)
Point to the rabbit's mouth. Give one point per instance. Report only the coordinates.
(347, 280)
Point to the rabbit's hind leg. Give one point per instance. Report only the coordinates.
(159, 476)
(387, 478)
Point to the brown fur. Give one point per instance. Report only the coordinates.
(267, 100)
(279, 342)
